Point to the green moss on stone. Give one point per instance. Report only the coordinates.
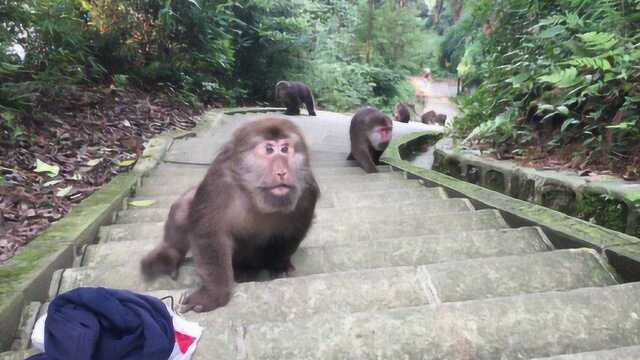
(581, 233)
(558, 197)
(472, 174)
(495, 181)
(604, 211)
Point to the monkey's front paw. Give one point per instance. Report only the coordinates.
(203, 300)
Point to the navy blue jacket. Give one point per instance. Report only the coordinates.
(106, 324)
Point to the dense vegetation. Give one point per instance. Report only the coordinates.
(551, 78)
(84, 83)
(208, 51)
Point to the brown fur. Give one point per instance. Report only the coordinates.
(234, 221)
(293, 94)
(368, 141)
(433, 118)
(401, 113)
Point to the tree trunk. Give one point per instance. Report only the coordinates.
(437, 11)
(456, 7)
(369, 44)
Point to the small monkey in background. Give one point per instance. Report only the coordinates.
(370, 133)
(293, 94)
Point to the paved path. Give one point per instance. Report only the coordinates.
(435, 95)
(391, 269)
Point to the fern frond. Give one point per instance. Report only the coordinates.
(598, 40)
(591, 63)
(562, 78)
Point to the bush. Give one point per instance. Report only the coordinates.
(569, 66)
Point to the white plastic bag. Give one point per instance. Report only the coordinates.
(187, 334)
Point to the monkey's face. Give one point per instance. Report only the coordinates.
(281, 90)
(271, 172)
(380, 135)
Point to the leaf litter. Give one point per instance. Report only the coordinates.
(70, 148)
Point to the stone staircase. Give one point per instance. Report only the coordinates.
(391, 269)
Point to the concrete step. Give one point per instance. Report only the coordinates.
(330, 162)
(623, 353)
(419, 250)
(389, 212)
(199, 171)
(384, 181)
(17, 355)
(334, 163)
(346, 230)
(349, 292)
(30, 314)
(325, 154)
(185, 181)
(520, 327)
(335, 199)
(444, 282)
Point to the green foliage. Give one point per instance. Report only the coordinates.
(392, 34)
(604, 211)
(211, 51)
(452, 47)
(275, 37)
(573, 65)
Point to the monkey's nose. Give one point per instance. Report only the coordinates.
(282, 174)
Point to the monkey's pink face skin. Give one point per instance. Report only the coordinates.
(271, 170)
(380, 136)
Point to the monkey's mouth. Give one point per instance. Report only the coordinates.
(280, 190)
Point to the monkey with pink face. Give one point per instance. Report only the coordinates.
(370, 133)
(251, 211)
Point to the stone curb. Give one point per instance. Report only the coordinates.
(26, 276)
(622, 250)
(602, 199)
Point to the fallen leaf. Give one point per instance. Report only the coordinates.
(64, 191)
(49, 170)
(126, 163)
(94, 162)
(142, 203)
(52, 182)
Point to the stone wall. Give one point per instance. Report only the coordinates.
(605, 200)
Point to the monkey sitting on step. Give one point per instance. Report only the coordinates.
(251, 211)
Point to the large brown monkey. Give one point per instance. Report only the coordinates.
(370, 133)
(293, 94)
(401, 113)
(251, 211)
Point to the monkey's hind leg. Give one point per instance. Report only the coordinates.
(310, 106)
(292, 110)
(166, 258)
(163, 260)
(293, 105)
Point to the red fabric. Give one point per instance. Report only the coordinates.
(184, 341)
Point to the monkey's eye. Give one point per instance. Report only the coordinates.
(269, 149)
(284, 149)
